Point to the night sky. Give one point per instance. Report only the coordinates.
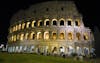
(89, 10)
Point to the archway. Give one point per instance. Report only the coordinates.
(46, 35)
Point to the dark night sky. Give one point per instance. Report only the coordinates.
(89, 10)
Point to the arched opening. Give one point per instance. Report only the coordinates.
(18, 37)
(26, 36)
(16, 28)
(61, 35)
(21, 36)
(62, 23)
(33, 23)
(23, 25)
(85, 35)
(77, 23)
(14, 38)
(32, 35)
(69, 23)
(54, 22)
(70, 50)
(54, 36)
(46, 23)
(78, 50)
(19, 26)
(27, 25)
(70, 36)
(62, 50)
(54, 50)
(40, 23)
(39, 35)
(46, 35)
(86, 51)
(78, 36)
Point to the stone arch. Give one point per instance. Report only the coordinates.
(78, 36)
(14, 38)
(54, 35)
(22, 36)
(47, 22)
(23, 25)
(86, 51)
(54, 50)
(32, 35)
(40, 23)
(46, 35)
(85, 36)
(70, 36)
(54, 22)
(62, 49)
(19, 27)
(26, 36)
(62, 22)
(77, 22)
(33, 23)
(70, 50)
(39, 35)
(16, 27)
(27, 25)
(69, 22)
(78, 50)
(62, 36)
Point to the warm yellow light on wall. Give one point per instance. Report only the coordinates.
(39, 35)
(33, 22)
(54, 36)
(62, 19)
(45, 22)
(23, 25)
(61, 35)
(39, 22)
(27, 26)
(32, 35)
(85, 35)
(21, 36)
(54, 22)
(18, 37)
(70, 36)
(14, 28)
(26, 36)
(69, 21)
(78, 36)
(77, 22)
(62, 22)
(46, 35)
(19, 27)
(14, 38)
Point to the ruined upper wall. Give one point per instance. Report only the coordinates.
(49, 9)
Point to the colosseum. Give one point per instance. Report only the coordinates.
(49, 27)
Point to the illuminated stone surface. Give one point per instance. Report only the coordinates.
(49, 27)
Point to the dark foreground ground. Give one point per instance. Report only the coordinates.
(34, 58)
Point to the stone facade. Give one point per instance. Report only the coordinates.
(49, 27)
